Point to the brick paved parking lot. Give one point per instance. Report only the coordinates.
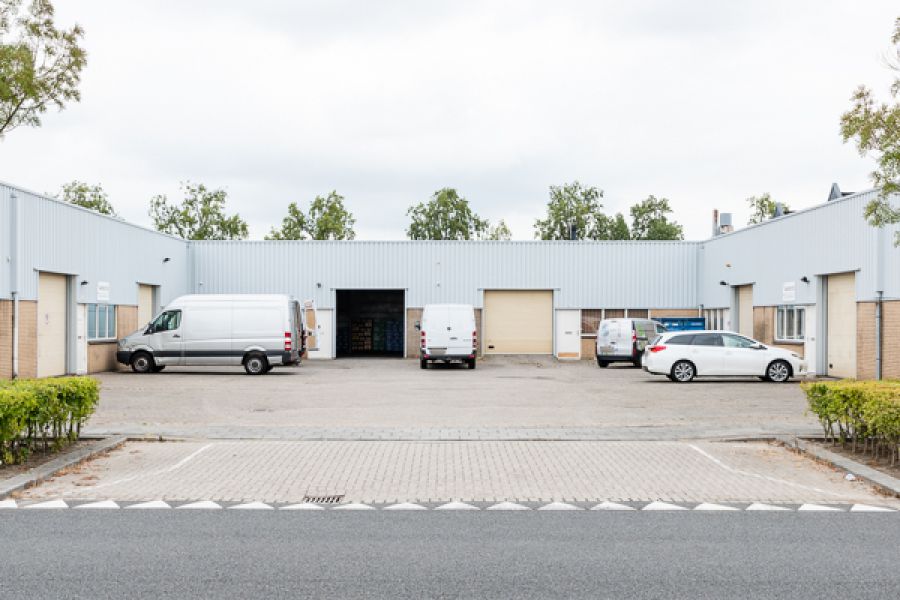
(383, 472)
(505, 398)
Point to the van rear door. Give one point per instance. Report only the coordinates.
(460, 326)
(435, 324)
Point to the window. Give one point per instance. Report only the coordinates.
(707, 339)
(167, 321)
(790, 323)
(737, 341)
(715, 318)
(101, 322)
(680, 340)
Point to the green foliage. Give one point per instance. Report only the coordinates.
(327, 220)
(573, 204)
(876, 129)
(617, 228)
(200, 217)
(866, 412)
(40, 65)
(446, 216)
(650, 221)
(86, 196)
(762, 208)
(50, 411)
(500, 231)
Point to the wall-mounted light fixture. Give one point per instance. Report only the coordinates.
(166, 259)
(804, 279)
(723, 282)
(84, 282)
(319, 285)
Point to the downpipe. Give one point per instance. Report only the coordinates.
(15, 336)
(878, 303)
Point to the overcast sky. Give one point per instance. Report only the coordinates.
(705, 103)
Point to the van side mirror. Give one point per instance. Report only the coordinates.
(418, 326)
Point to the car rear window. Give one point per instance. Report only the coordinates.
(680, 340)
(707, 339)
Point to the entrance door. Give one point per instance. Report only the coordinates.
(324, 335)
(745, 310)
(568, 334)
(841, 338)
(518, 322)
(145, 304)
(51, 326)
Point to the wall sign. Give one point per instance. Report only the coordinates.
(102, 291)
(789, 291)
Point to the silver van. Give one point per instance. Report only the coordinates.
(624, 340)
(256, 331)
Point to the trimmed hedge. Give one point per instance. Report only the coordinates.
(49, 412)
(859, 412)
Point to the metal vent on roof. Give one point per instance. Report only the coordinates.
(335, 499)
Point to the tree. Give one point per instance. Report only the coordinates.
(447, 216)
(87, 196)
(500, 231)
(618, 228)
(327, 220)
(573, 205)
(650, 221)
(40, 65)
(201, 216)
(762, 208)
(876, 130)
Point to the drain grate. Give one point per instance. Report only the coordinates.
(324, 499)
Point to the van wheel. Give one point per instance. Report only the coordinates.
(423, 364)
(778, 371)
(256, 364)
(602, 363)
(471, 363)
(683, 371)
(142, 362)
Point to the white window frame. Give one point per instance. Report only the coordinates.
(798, 331)
(109, 311)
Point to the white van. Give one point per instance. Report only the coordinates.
(256, 331)
(447, 334)
(624, 340)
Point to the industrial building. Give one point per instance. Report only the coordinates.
(820, 281)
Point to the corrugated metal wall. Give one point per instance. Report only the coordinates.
(62, 238)
(585, 274)
(831, 238)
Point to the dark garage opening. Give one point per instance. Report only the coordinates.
(370, 323)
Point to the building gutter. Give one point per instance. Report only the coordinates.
(878, 302)
(15, 228)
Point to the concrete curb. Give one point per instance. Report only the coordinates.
(52, 467)
(885, 483)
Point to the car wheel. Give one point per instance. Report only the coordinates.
(778, 371)
(142, 362)
(423, 364)
(256, 364)
(471, 363)
(683, 371)
(602, 363)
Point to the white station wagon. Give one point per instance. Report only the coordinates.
(683, 355)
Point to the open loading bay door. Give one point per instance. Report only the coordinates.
(370, 323)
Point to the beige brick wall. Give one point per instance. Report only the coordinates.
(27, 338)
(890, 340)
(764, 329)
(412, 335)
(588, 348)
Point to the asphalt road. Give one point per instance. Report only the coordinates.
(224, 554)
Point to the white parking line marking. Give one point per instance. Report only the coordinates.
(7, 504)
(202, 505)
(150, 505)
(612, 506)
(100, 504)
(456, 506)
(657, 505)
(251, 506)
(770, 507)
(168, 469)
(48, 504)
(560, 506)
(818, 508)
(710, 506)
(354, 506)
(867, 508)
(405, 506)
(507, 506)
(302, 506)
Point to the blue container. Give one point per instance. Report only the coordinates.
(683, 323)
